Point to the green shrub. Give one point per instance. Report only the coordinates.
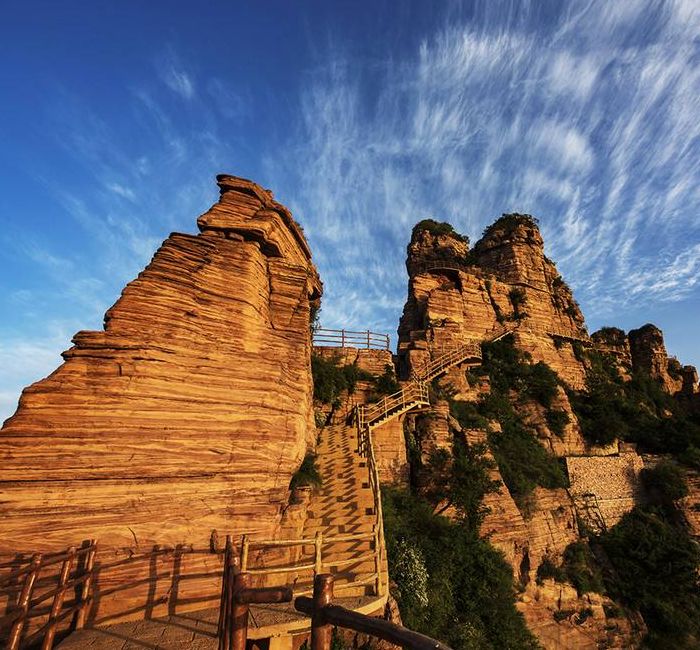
(467, 414)
(460, 480)
(438, 228)
(386, 383)
(509, 222)
(578, 566)
(581, 568)
(471, 601)
(557, 419)
(548, 569)
(583, 615)
(665, 483)
(610, 336)
(330, 379)
(307, 474)
(523, 462)
(656, 572)
(637, 410)
(563, 614)
(518, 299)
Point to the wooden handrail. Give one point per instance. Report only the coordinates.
(351, 338)
(23, 610)
(236, 598)
(324, 615)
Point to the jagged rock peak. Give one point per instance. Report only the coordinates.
(433, 240)
(246, 210)
(511, 228)
(650, 357)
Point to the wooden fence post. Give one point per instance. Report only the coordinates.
(58, 599)
(318, 549)
(323, 595)
(231, 567)
(239, 619)
(84, 599)
(342, 338)
(23, 603)
(377, 561)
(368, 340)
(245, 545)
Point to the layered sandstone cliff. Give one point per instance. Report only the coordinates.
(186, 415)
(506, 281)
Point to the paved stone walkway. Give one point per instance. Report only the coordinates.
(193, 631)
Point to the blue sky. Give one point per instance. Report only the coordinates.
(363, 117)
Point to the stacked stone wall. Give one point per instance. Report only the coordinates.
(607, 486)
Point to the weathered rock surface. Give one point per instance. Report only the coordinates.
(187, 414)
(456, 295)
(649, 355)
(506, 279)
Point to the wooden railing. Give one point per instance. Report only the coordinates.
(324, 615)
(26, 607)
(318, 564)
(435, 367)
(414, 393)
(438, 265)
(348, 338)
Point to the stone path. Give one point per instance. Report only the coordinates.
(194, 630)
(343, 505)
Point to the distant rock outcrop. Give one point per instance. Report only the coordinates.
(187, 414)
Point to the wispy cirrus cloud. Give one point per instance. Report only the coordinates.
(588, 123)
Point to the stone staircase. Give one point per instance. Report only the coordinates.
(344, 505)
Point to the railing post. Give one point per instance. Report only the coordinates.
(318, 549)
(245, 545)
(23, 603)
(377, 559)
(368, 339)
(323, 595)
(231, 568)
(239, 618)
(58, 600)
(84, 600)
(342, 338)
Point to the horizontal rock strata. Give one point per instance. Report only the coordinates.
(187, 414)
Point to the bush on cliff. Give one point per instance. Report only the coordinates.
(331, 379)
(386, 384)
(438, 228)
(468, 584)
(523, 462)
(656, 572)
(637, 410)
(578, 567)
(665, 483)
(509, 222)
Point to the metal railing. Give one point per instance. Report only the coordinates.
(26, 607)
(347, 338)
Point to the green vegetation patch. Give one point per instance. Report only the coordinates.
(331, 379)
(450, 584)
(638, 410)
(438, 228)
(655, 566)
(307, 474)
(509, 222)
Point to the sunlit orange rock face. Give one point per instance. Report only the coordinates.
(506, 280)
(187, 414)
